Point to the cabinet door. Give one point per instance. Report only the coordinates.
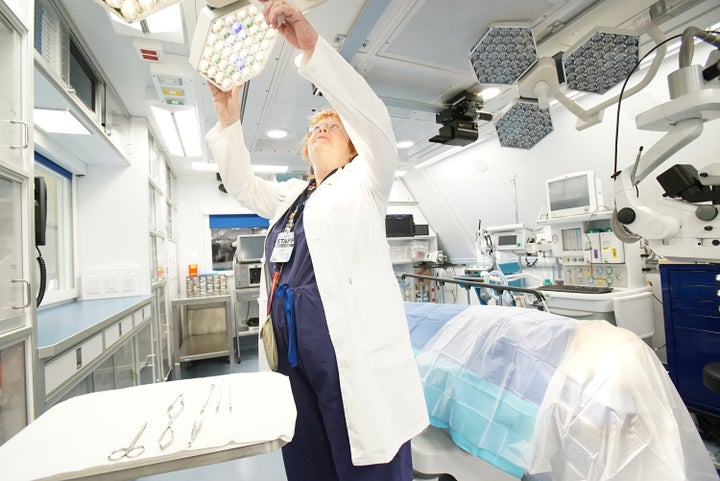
(13, 397)
(125, 366)
(146, 357)
(14, 287)
(163, 336)
(13, 124)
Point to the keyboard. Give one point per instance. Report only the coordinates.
(577, 289)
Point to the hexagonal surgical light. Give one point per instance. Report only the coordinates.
(523, 126)
(134, 10)
(601, 60)
(232, 44)
(503, 54)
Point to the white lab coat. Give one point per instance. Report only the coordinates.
(345, 230)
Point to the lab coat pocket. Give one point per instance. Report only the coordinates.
(376, 322)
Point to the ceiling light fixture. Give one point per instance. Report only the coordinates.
(180, 131)
(503, 54)
(489, 93)
(276, 133)
(524, 125)
(232, 44)
(603, 59)
(405, 144)
(58, 122)
(134, 10)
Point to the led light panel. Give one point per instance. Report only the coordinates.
(523, 126)
(600, 61)
(231, 45)
(503, 54)
(134, 10)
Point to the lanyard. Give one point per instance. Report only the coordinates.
(312, 185)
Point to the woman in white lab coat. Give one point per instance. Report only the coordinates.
(336, 306)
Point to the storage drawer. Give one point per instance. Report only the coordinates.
(115, 332)
(692, 321)
(695, 291)
(64, 366)
(695, 277)
(693, 348)
(694, 306)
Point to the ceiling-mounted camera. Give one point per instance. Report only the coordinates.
(459, 120)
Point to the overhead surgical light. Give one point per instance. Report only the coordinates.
(601, 60)
(232, 44)
(524, 125)
(134, 10)
(503, 54)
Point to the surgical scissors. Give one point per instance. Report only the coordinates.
(131, 451)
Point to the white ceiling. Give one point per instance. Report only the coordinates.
(414, 53)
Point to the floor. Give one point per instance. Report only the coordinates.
(265, 467)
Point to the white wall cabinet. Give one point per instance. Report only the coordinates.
(17, 306)
(14, 114)
(113, 353)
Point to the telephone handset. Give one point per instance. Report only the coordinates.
(40, 230)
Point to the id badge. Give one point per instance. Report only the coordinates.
(283, 247)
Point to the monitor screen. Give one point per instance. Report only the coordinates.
(507, 240)
(250, 247)
(573, 194)
(569, 193)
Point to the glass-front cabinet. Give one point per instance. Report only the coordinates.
(13, 388)
(14, 130)
(17, 307)
(15, 292)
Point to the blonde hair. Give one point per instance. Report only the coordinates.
(315, 119)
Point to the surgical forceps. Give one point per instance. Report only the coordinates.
(131, 451)
(174, 409)
(198, 422)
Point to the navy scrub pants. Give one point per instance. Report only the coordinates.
(320, 449)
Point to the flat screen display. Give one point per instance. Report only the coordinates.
(569, 193)
(507, 240)
(250, 247)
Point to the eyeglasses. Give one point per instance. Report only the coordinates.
(173, 410)
(323, 126)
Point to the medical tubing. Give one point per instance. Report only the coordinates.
(620, 98)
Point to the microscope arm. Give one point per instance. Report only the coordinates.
(680, 135)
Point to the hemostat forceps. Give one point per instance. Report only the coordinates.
(198, 422)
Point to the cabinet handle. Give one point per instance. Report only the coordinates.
(25, 135)
(28, 294)
(717, 277)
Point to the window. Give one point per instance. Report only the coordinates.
(57, 253)
(81, 77)
(224, 230)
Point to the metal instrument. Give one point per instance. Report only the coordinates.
(174, 409)
(198, 422)
(131, 451)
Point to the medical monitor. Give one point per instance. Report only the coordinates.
(250, 248)
(508, 238)
(573, 194)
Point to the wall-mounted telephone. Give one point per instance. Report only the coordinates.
(40, 229)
